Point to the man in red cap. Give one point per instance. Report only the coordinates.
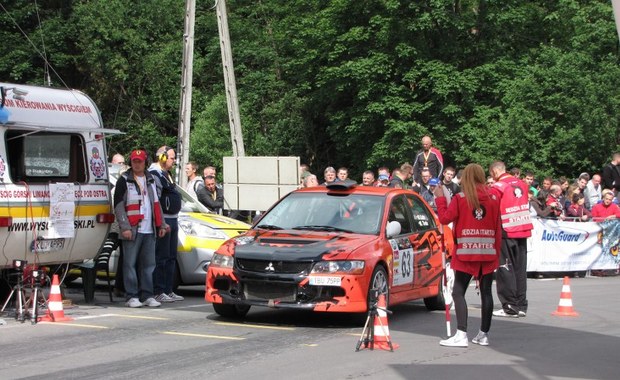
(140, 220)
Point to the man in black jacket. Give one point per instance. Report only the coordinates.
(611, 174)
(211, 196)
(166, 247)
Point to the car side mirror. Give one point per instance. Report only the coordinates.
(393, 228)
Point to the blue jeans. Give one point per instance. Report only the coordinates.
(139, 253)
(166, 258)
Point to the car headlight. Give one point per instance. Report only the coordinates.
(222, 261)
(346, 266)
(201, 230)
(243, 240)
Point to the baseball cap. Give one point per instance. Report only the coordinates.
(433, 182)
(383, 177)
(138, 154)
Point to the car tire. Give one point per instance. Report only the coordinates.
(231, 311)
(437, 302)
(379, 280)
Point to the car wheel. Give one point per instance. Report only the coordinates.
(437, 302)
(379, 282)
(231, 311)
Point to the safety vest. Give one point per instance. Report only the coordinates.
(134, 198)
(514, 206)
(476, 230)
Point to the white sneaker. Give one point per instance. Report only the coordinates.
(164, 298)
(522, 314)
(457, 340)
(482, 339)
(133, 302)
(502, 313)
(176, 297)
(151, 302)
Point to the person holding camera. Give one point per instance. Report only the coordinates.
(554, 202)
(475, 212)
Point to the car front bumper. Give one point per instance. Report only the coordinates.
(224, 285)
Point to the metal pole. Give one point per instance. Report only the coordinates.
(185, 109)
(236, 134)
(616, 7)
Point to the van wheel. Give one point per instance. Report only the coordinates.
(231, 311)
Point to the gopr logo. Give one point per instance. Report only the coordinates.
(563, 236)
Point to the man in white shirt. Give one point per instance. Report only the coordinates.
(593, 191)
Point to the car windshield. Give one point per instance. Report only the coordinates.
(326, 212)
(191, 204)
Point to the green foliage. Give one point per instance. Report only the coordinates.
(352, 83)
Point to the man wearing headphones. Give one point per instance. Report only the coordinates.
(166, 247)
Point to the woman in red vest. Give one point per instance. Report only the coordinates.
(475, 213)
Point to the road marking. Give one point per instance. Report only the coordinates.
(255, 326)
(76, 325)
(202, 335)
(137, 317)
(185, 307)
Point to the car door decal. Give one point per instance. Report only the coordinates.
(427, 249)
(402, 268)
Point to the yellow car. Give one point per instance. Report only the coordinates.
(200, 234)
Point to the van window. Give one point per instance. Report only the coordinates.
(45, 157)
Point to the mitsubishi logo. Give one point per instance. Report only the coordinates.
(270, 268)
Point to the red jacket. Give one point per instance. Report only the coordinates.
(514, 207)
(477, 234)
(601, 212)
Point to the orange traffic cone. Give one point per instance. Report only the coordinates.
(565, 308)
(381, 329)
(55, 312)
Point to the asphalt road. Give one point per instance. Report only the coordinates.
(186, 339)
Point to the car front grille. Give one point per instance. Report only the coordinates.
(266, 266)
(270, 291)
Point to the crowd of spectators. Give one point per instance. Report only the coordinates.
(589, 197)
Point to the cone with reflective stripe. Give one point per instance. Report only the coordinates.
(55, 311)
(381, 329)
(565, 308)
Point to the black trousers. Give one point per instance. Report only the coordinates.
(512, 275)
(461, 282)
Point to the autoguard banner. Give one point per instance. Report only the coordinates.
(573, 246)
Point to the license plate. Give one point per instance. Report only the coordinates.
(325, 281)
(47, 245)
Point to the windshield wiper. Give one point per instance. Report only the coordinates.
(269, 227)
(322, 228)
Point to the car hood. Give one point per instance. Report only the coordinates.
(293, 245)
(229, 226)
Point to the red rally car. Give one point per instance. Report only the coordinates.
(328, 249)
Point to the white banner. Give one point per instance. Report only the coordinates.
(572, 246)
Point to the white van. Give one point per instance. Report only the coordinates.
(55, 205)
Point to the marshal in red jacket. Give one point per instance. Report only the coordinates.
(478, 233)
